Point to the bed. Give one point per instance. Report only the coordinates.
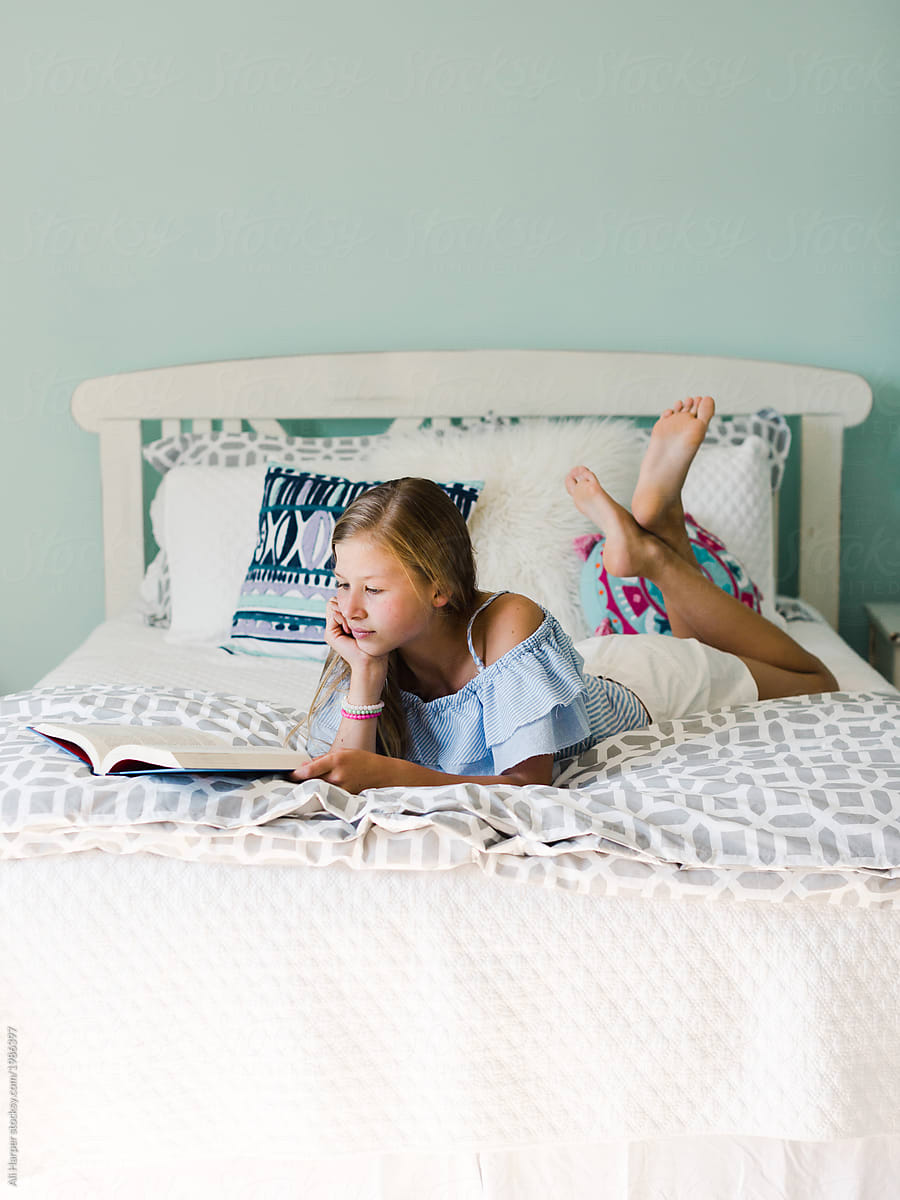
(671, 973)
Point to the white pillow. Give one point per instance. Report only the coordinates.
(205, 518)
(728, 490)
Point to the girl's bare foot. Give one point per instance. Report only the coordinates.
(629, 550)
(676, 438)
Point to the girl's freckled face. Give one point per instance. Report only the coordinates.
(379, 603)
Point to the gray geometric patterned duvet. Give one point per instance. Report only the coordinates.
(782, 800)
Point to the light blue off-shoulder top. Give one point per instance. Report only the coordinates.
(535, 699)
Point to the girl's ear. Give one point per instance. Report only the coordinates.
(438, 600)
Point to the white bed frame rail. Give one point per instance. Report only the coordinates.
(465, 383)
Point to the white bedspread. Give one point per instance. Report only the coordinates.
(220, 1010)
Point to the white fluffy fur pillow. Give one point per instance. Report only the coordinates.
(523, 525)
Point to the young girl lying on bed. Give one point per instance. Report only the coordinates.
(431, 681)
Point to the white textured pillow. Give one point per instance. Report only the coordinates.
(728, 490)
(523, 526)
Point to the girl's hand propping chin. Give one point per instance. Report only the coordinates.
(352, 770)
(337, 634)
(341, 640)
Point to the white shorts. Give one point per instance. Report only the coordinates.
(671, 676)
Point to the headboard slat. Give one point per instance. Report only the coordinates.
(822, 449)
(123, 513)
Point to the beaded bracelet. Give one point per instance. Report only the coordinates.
(362, 712)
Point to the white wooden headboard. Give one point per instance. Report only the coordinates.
(459, 383)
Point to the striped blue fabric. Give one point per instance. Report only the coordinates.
(535, 699)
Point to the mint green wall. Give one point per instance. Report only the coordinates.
(208, 180)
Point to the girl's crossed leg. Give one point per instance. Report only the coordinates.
(652, 541)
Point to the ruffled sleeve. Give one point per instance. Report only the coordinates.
(535, 698)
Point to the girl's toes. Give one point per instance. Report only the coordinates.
(580, 475)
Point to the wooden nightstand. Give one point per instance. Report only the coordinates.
(884, 639)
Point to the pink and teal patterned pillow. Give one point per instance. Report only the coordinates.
(635, 605)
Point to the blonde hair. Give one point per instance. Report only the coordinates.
(417, 522)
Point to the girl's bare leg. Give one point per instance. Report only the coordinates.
(777, 663)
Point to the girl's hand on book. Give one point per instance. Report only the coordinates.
(352, 770)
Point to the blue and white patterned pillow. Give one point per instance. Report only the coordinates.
(281, 611)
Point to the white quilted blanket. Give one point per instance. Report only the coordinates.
(216, 1010)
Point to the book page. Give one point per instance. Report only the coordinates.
(100, 739)
(237, 758)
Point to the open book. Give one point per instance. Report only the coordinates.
(145, 749)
